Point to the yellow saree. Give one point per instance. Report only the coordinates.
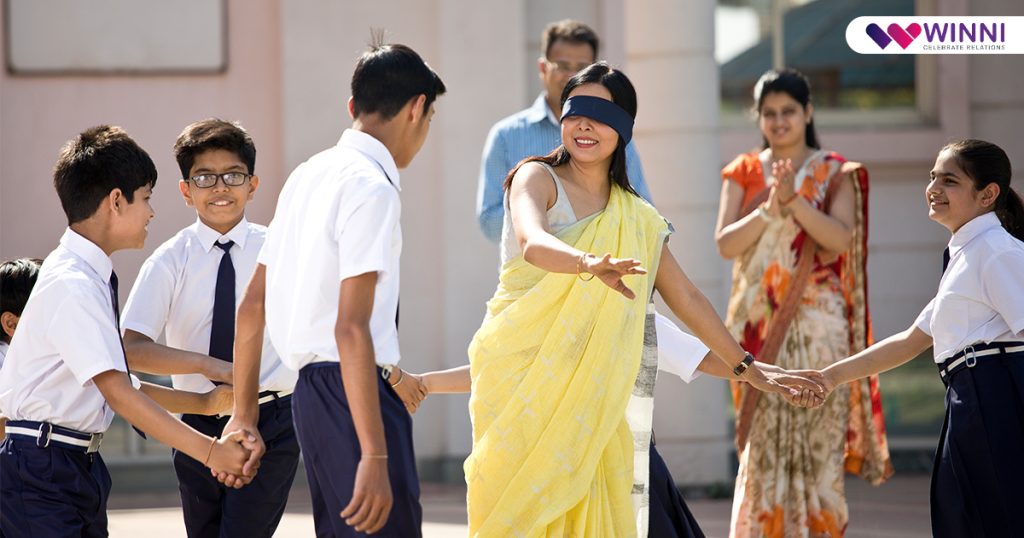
(553, 367)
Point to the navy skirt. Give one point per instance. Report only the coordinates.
(670, 517)
(978, 478)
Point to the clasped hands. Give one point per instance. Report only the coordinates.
(802, 388)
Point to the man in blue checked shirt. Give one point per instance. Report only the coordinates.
(568, 47)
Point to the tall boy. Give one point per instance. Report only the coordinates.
(327, 285)
(65, 374)
(189, 288)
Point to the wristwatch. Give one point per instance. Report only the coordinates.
(748, 359)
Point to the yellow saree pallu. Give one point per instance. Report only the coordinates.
(553, 366)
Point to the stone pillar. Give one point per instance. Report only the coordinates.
(670, 59)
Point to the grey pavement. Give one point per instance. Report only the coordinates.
(898, 509)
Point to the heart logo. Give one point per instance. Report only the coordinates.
(903, 36)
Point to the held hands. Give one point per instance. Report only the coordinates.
(230, 454)
(256, 449)
(802, 388)
(409, 387)
(611, 270)
(371, 497)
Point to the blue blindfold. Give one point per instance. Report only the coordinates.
(601, 110)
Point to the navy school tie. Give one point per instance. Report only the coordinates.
(222, 329)
(945, 260)
(117, 322)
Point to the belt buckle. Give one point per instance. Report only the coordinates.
(39, 438)
(972, 359)
(94, 442)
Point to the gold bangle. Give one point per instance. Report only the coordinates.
(374, 456)
(791, 198)
(579, 269)
(400, 379)
(209, 453)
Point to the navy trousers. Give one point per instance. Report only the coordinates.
(670, 517)
(979, 470)
(331, 453)
(212, 510)
(51, 491)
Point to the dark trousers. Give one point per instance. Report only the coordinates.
(979, 469)
(670, 517)
(331, 453)
(212, 510)
(51, 491)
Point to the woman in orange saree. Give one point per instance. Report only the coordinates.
(794, 218)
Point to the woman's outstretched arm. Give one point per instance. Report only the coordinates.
(531, 194)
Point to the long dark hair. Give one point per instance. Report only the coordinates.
(623, 94)
(794, 84)
(986, 163)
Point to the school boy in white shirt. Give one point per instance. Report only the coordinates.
(327, 285)
(65, 374)
(976, 325)
(189, 289)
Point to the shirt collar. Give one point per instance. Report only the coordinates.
(540, 111)
(975, 227)
(208, 236)
(375, 150)
(88, 251)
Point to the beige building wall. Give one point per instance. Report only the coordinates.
(39, 113)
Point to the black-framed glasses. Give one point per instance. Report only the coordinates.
(231, 179)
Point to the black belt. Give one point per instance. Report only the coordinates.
(48, 435)
(969, 356)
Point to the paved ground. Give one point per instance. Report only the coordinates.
(898, 509)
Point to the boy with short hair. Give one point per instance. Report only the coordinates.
(188, 289)
(327, 288)
(65, 374)
(16, 280)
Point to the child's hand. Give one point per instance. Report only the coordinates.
(410, 389)
(219, 400)
(218, 371)
(229, 455)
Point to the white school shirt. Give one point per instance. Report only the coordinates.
(3, 352)
(175, 290)
(337, 217)
(981, 294)
(66, 336)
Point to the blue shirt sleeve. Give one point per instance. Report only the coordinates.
(490, 196)
(636, 172)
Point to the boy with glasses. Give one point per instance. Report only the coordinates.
(568, 46)
(189, 289)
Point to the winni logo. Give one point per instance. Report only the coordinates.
(936, 35)
(902, 36)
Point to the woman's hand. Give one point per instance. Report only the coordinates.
(611, 270)
(785, 180)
